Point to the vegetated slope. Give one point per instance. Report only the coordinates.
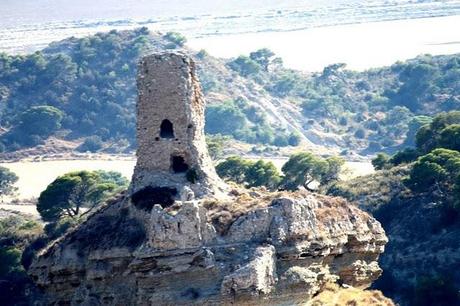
(416, 197)
(91, 84)
(423, 253)
(18, 235)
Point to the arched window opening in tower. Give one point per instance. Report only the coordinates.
(166, 129)
(178, 164)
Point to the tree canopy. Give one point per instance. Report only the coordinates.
(245, 66)
(74, 191)
(249, 173)
(438, 169)
(302, 169)
(440, 133)
(7, 180)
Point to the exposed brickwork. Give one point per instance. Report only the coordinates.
(172, 150)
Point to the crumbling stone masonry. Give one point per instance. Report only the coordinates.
(172, 158)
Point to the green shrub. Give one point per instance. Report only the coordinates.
(91, 144)
(251, 174)
(215, 122)
(7, 181)
(244, 66)
(234, 168)
(404, 156)
(202, 54)
(381, 161)
(431, 136)
(10, 261)
(437, 169)
(281, 141)
(294, 139)
(176, 39)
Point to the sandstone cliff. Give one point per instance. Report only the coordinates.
(284, 251)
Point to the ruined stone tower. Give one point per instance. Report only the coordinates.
(172, 157)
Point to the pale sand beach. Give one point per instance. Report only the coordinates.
(360, 46)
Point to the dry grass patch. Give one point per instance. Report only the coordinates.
(223, 213)
(333, 295)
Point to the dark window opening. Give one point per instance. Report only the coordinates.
(166, 129)
(147, 197)
(178, 164)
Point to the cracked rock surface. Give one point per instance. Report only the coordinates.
(285, 252)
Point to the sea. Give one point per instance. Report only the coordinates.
(308, 35)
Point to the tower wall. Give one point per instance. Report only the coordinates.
(172, 150)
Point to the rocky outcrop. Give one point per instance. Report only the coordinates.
(158, 244)
(285, 252)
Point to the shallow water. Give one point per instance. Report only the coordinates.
(308, 35)
(360, 46)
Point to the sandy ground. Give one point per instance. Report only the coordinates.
(360, 46)
(35, 176)
(25, 209)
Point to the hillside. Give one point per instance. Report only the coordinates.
(90, 83)
(415, 196)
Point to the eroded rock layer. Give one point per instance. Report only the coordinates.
(285, 251)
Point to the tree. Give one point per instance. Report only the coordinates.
(216, 144)
(302, 169)
(244, 66)
(450, 137)
(91, 144)
(294, 139)
(215, 122)
(7, 181)
(333, 69)
(249, 173)
(437, 169)
(381, 161)
(418, 81)
(263, 57)
(68, 194)
(262, 173)
(398, 118)
(40, 120)
(334, 168)
(414, 125)
(234, 168)
(404, 156)
(284, 84)
(428, 137)
(456, 193)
